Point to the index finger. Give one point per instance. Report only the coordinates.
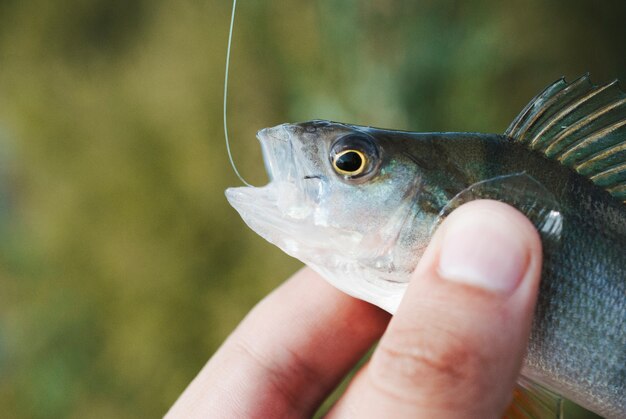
(287, 355)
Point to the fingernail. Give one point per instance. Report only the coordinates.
(484, 249)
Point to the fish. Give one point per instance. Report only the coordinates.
(359, 205)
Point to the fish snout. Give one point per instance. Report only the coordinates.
(278, 133)
(277, 152)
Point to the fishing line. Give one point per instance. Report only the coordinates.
(230, 39)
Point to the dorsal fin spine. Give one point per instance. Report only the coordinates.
(514, 128)
(619, 192)
(550, 150)
(590, 139)
(600, 156)
(579, 125)
(569, 110)
(546, 106)
(605, 176)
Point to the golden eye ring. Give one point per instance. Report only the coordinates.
(350, 162)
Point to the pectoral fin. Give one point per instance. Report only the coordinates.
(522, 192)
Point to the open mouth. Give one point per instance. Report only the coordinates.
(279, 160)
(274, 209)
(278, 154)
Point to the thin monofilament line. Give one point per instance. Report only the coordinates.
(230, 39)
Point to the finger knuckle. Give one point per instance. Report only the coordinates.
(427, 357)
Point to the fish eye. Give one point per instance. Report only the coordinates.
(355, 157)
(349, 162)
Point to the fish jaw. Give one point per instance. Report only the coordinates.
(278, 213)
(324, 248)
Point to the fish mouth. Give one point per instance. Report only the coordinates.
(323, 248)
(260, 209)
(278, 211)
(278, 153)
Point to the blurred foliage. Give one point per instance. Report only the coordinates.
(122, 267)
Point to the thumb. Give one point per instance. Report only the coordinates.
(456, 344)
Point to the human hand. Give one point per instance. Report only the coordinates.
(453, 349)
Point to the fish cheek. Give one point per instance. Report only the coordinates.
(349, 208)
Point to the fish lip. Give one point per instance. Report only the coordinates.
(241, 198)
(262, 210)
(256, 206)
(261, 206)
(279, 132)
(253, 203)
(277, 150)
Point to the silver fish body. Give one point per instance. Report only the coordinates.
(359, 205)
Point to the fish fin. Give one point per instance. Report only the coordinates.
(531, 400)
(521, 191)
(582, 126)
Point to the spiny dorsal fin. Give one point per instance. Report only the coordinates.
(582, 126)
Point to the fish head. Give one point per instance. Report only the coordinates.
(339, 198)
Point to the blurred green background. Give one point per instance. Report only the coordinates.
(122, 267)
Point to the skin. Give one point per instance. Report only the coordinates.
(453, 349)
